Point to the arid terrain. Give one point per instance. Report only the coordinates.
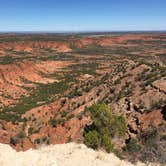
(48, 82)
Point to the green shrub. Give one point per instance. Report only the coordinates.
(21, 134)
(70, 116)
(30, 131)
(117, 81)
(153, 146)
(60, 121)
(101, 115)
(133, 146)
(63, 114)
(107, 143)
(119, 126)
(6, 60)
(63, 102)
(104, 127)
(92, 139)
(53, 122)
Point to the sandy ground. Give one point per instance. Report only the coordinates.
(70, 154)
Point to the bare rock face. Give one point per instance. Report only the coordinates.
(154, 118)
(61, 155)
(27, 144)
(4, 137)
(160, 85)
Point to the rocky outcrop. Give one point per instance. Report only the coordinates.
(61, 155)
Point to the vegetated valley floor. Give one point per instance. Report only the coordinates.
(48, 82)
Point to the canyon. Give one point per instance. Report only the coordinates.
(48, 82)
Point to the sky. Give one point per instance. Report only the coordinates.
(82, 15)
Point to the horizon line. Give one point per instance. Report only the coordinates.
(86, 31)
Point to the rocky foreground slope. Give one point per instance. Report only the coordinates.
(61, 155)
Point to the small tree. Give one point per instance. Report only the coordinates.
(103, 128)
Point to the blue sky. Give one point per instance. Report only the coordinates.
(82, 15)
